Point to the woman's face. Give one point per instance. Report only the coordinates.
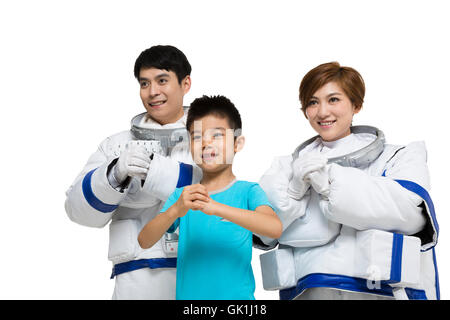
(330, 112)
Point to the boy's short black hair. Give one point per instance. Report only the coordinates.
(163, 57)
(214, 105)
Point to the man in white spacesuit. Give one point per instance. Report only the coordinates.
(358, 221)
(127, 180)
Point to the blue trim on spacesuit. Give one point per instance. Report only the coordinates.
(396, 260)
(318, 280)
(185, 175)
(416, 294)
(423, 193)
(341, 282)
(436, 280)
(90, 197)
(154, 263)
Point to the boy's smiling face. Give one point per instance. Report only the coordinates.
(212, 143)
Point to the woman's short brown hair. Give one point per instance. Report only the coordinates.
(348, 79)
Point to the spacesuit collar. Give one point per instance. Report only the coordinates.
(169, 135)
(146, 122)
(337, 143)
(359, 158)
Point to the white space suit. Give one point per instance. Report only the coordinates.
(373, 238)
(92, 201)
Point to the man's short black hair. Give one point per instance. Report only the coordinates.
(165, 58)
(214, 105)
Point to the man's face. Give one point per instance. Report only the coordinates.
(212, 143)
(162, 94)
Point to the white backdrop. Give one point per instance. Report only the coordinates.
(66, 83)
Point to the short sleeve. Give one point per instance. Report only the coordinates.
(170, 201)
(257, 197)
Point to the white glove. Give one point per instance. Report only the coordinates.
(319, 181)
(301, 168)
(134, 161)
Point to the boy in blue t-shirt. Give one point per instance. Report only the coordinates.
(218, 216)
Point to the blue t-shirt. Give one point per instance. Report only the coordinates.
(214, 255)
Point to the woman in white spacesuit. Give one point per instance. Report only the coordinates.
(358, 222)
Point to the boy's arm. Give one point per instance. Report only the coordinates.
(154, 229)
(263, 221)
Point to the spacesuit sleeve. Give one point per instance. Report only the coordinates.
(362, 201)
(166, 174)
(91, 200)
(275, 182)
